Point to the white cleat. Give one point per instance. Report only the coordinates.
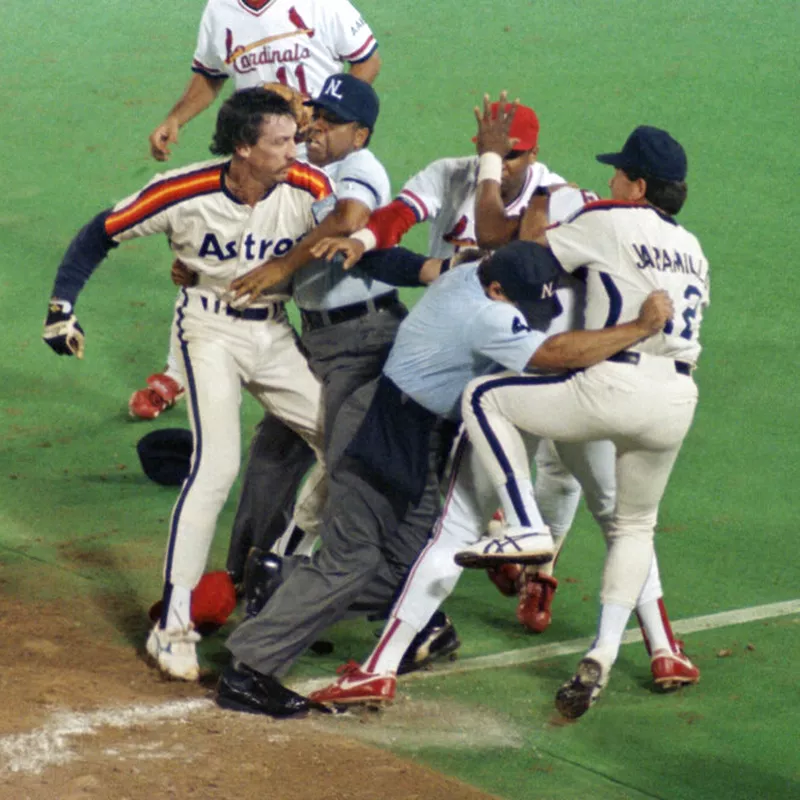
(517, 545)
(175, 652)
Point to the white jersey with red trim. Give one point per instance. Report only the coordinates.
(214, 234)
(630, 250)
(444, 193)
(298, 43)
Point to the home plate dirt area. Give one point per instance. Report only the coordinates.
(84, 717)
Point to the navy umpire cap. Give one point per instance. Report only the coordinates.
(349, 98)
(651, 153)
(165, 455)
(529, 275)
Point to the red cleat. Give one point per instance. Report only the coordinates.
(536, 600)
(356, 686)
(506, 577)
(162, 392)
(673, 670)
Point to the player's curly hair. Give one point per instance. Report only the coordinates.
(669, 196)
(240, 117)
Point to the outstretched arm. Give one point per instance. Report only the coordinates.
(576, 349)
(346, 217)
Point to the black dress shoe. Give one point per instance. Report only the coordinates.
(243, 689)
(262, 577)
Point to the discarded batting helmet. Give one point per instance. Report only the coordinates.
(165, 455)
(213, 601)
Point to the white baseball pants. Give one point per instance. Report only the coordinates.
(221, 355)
(645, 409)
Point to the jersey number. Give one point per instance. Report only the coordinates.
(299, 73)
(692, 296)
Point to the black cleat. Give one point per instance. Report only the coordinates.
(262, 577)
(578, 694)
(438, 639)
(243, 689)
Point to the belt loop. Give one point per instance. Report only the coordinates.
(204, 301)
(370, 302)
(216, 306)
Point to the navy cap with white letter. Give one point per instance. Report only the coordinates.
(650, 152)
(349, 98)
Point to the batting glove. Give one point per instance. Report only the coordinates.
(62, 331)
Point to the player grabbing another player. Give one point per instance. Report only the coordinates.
(642, 398)
(254, 42)
(222, 218)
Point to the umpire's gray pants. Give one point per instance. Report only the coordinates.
(344, 357)
(369, 542)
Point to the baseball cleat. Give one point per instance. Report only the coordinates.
(438, 639)
(579, 693)
(517, 546)
(535, 601)
(673, 670)
(162, 393)
(174, 652)
(507, 578)
(356, 686)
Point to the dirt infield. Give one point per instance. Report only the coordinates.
(83, 718)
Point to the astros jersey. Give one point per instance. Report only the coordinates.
(444, 193)
(213, 233)
(322, 285)
(629, 250)
(453, 334)
(298, 43)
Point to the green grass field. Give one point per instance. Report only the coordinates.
(83, 86)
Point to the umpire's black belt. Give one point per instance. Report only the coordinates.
(251, 314)
(333, 316)
(629, 357)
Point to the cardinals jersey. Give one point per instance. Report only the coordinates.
(213, 233)
(444, 193)
(630, 250)
(298, 43)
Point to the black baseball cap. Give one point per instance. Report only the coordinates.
(349, 98)
(165, 455)
(523, 269)
(651, 153)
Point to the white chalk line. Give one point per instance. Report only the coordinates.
(53, 744)
(542, 652)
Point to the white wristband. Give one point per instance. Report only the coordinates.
(490, 167)
(366, 237)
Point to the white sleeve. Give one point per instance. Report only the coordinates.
(208, 59)
(588, 238)
(425, 191)
(347, 31)
(364, 178)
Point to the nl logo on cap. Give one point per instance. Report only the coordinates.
(334, 88)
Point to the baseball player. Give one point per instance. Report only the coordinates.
(470, 497)
(221, 218)
(445, 194)
(643, 398)
(297, 43)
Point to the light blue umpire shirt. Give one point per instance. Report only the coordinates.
(320, 285)
(453, 334)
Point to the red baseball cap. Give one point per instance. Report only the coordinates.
(524, 126)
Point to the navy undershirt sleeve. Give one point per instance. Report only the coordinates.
(395, 265)
(83, 256)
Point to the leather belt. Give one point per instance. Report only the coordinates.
(629, 357)
(250, 314)
(319, 319)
